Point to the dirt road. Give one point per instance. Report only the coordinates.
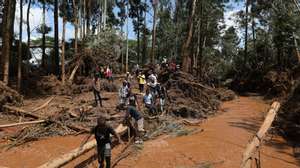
(220, 145)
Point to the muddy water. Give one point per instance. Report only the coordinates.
(220, 145)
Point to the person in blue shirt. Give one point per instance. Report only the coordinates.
(133, 113)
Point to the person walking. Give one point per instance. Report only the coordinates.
(123, 94)
(102, 132)
(96, 89)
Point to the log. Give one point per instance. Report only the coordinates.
(68, 157)
(74, 72)
(36, 116)
(43, 105)
(21, 111)
(257, 139)
(22, 123)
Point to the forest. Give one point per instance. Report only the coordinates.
(195, 69)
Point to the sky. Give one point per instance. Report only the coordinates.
(36, 19)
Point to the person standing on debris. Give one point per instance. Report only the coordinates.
(149, 102)
(108, 73)
(96, 89)
(123, 94)
(162, 93)
(102, 72)
(136, 115)
(142, 81)
(102, 134)
(152, 83)
(128, 79)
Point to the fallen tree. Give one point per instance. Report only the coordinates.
(255, 143)
(66, 158)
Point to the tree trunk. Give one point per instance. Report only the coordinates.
(153, 33)
(79, 20)
(138, 41)
(63, 51)
(44, 36)
(105, 14)
(88, 18)
(127, 31)
(246, 34)
(8, 22)
(185, 53)
(122, 47)
(56, 39)
(28, 35)
(20, 48)
(177, 27)
(84, 19)
(145, 37)
(76, 27)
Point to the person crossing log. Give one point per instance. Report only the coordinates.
(68, 157)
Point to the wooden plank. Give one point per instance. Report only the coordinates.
(68, 157)
(256, 141)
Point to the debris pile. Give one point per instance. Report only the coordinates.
(277, 83)
(190, 99)
(50, 85)
(288, 120)
(9, 96)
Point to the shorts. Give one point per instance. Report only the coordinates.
(140, 125)
(105, 151)
(162, 101)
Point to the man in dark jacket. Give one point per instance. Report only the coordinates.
(102, 132)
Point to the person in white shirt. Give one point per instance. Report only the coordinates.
(149, 102)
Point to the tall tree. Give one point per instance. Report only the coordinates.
(154, 5)
(44, 35)
(246, 32)
(56, 39)
(7, 34)
(28, 34)
(63, 51)
(20, 47)
(185, 48)
(137, 8)
(76, 26)
(88, 17)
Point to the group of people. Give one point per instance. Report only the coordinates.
(155, 91)
(130, 102)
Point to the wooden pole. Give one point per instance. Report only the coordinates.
(43, 105)
(68, 157)
(22, 123)
(257, 139)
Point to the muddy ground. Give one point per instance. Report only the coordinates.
(216, 142)
(220, 144)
